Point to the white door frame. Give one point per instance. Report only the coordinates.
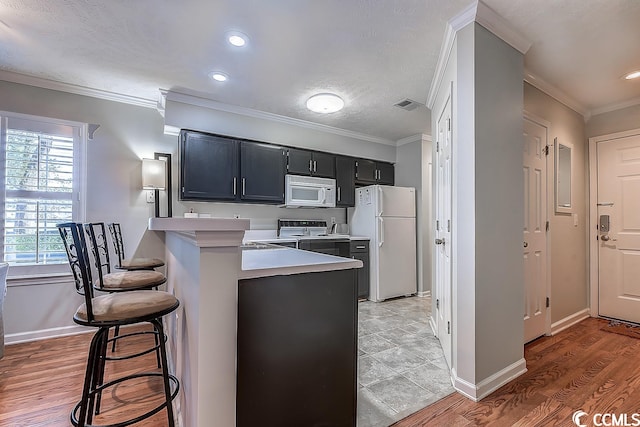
(550, 203)
(592, 231)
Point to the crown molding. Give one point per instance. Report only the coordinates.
(502, 28)
(556, 93)
(248, 112)
(413, 138)
(489, 19)
(613, 107)
(75, 89)
(456, 23)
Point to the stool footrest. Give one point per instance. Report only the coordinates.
(98, 391)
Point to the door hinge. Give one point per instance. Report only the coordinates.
(437, 146)
(449, 327)
(546, 227)
(546, 150)
(448, 124)
(437, 303)
(548, 302)
(438, 225)
(448, 225)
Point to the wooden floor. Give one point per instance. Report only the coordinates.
(41, 381)
(580, 368)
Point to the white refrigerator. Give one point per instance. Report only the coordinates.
(387, 215)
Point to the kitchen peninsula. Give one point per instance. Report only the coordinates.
(204, 265)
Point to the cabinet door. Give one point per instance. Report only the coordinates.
(365, 171)
(262, 170)
(299, 162)
(345, 181)
(208, 167)
(385, 173)
(363, 274)
(324, 165)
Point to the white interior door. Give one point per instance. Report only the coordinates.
(443, 291)
(535, 233)
(619, 247)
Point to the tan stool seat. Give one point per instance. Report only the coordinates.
(140, 263)
(130, 305)
(127, 280)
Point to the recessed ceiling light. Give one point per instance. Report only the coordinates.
(237, 39)
(325, 103)
(632, 75)
(218, 76)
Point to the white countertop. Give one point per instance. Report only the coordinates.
(285, 261)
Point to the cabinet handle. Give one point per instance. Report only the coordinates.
(315, 164)
(235, 185)
(243, 186)
(310, 165)
(360, 247)
(339, 198)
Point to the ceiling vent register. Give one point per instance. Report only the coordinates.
(407, 104)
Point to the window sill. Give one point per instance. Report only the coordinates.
(39, 279)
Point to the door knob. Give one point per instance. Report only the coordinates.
(525, 244)
(440, 241)
(606, 238)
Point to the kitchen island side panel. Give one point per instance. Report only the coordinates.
(297, 350)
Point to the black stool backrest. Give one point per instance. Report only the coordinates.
(118, 245)
(98, 244)
(78, 256)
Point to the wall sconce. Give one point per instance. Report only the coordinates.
(156, 176)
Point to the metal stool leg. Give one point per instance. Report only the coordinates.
(165, 371)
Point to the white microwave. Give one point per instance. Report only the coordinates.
(310, 192)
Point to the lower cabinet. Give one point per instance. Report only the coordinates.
(360, 250)
(297, 350)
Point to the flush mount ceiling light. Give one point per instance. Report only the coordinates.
(218, 76)
(237, 38)
(632, 75)
(325, 103)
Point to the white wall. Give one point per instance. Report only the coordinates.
(488, 274)
(412, 170)
(568, 243)
(614, 121)
(127, 134)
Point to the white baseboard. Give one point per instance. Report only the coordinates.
(569, 321)
(424, 294)
(432, 323)
(477, 392)
(44, 334)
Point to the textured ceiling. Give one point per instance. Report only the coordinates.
(373, 53)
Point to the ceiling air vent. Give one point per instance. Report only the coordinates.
(407, 104)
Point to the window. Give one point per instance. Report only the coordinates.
(42, 188)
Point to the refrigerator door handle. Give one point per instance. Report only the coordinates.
(380, 232)
(380, 202)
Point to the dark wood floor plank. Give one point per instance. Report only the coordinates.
(582, 367)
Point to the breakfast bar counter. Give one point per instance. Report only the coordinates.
(205, 260)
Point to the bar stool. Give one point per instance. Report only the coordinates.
(131, 263)
(107, 311)
(122, 281)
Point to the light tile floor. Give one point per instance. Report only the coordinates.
(401, 367)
